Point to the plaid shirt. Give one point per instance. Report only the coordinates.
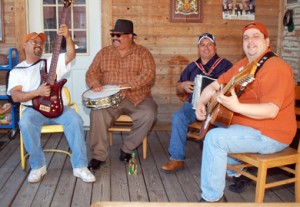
(136, 68)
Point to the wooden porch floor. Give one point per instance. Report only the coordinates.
(60, 188)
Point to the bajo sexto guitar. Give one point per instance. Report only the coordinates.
(52, 106)
(219, 115)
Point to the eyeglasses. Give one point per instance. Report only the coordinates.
(36, 43)
(117, 34)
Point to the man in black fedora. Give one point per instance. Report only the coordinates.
(124, 64)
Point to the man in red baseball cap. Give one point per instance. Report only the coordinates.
(257, 25)
(25, 84)
(263, 113)
(34, 35)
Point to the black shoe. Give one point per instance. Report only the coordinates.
(221, 200)
(240, 184)
(125, 157)
(94, 164)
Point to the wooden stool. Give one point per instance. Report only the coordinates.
(123, 124)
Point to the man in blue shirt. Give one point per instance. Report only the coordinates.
(208, 64)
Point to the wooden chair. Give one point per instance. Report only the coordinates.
(283, 160)
(123, 124)
(194, 130)
(47, 129)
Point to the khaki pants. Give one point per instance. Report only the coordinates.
(143, 116)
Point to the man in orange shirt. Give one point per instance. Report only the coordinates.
(264, 117)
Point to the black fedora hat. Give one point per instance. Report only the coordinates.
(123, 26)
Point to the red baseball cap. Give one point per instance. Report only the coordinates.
(33, 35)
(257, 25)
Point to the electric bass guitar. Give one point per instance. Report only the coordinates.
(219, 115)
(52, 106)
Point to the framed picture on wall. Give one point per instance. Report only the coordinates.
(185, 11)
(1, 21)
(238, 9)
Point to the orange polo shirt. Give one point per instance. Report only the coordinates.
(273, 83)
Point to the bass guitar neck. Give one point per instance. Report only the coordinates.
(52, 106)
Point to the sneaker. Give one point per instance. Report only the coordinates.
(36, 175)
(84, 174)
(223, 199)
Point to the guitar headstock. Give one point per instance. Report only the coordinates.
(247, 73)
(67, 3)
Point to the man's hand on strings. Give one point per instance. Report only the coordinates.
(44, 90)
(230, 102)
(200, 112)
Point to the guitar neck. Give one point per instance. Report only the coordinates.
(56, 51)
(244, 77)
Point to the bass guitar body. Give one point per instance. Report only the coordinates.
(51, 106)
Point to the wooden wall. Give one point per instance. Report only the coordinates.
(14, 28)
(173, 45)
(291, 40)
(14, 18)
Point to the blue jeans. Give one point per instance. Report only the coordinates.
(180, 122)
(31, 124)
(218, 143)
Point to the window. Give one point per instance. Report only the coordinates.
(75, 19)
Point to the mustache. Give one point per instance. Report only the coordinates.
(116, 40)
(37, 47)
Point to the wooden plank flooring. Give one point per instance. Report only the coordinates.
(60, 188)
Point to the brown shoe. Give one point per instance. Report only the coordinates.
(172, 166)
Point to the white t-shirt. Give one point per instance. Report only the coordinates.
(30, 78)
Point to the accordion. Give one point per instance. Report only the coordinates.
(201, 81)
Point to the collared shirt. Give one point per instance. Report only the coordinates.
(136, 68)
(274, 83)
(192, 70)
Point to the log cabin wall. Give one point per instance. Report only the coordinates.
(291, 40)
(14, 19)
(173, 45)
(14, 28)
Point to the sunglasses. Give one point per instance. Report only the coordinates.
(117, 34)
(206, 35)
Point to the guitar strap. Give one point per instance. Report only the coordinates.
(33, 64)
(260, 63)
(44, 60)
(200, 66)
